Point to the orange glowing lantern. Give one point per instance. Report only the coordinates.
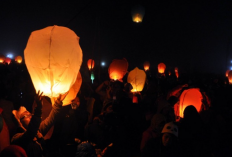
(227, 72)
(18, 59)
(146, 65)
(137, 13)
(7, 60)
(176, 70)
(2, 58)
(188, 97)
(161, 68)
(169, 73)
(73, 91)
(117, 69)
(90, 64)
(177, 74)
(137, 79)
(230, 77)
(53, 58)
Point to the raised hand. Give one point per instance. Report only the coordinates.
(38, 100)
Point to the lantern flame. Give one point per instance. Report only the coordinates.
(230, 77)
(146, 65)
(137, 14)
(18, 59)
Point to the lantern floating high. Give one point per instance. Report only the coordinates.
(161, 68)
(18, 59)
(177, 74)
(53, 58)
(117, 69)
(2, 58)
(7, 60)
(146, 66)
(137, 13)
(176, 70)
(137, 79)
(90, 64)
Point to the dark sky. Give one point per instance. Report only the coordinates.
(191, 35)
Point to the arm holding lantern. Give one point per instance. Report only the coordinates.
(49, 121)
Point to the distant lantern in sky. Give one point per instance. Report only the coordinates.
(117, 69)
(146, 65)
(90, 64)
(161, 68)
(177, 74)
(7, 60)
(176, 69)
(227, 72)
(230, 77)
(18, 59)
(137, 79)
(2, 58)
(53, 58)
(137, 13)
(169, 73)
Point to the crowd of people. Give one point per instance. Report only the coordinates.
(104, 120)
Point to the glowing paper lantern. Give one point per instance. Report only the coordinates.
(176, 70)
(90, 64)
(137, 79)
(161, 68)
(227, 72)
(230, 77)
(92, 77)
(137, 13)
(146, 65)
(2, 58)
(53, 58)
(188, 97)
(169, 73)
(7, 60)
(18, 59)
(117, 69)
(177, 74)
(73, 91)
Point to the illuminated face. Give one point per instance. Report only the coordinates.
(25, 118)
(75, 103)
(167, 139)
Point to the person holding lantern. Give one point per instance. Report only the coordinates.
(31, 129)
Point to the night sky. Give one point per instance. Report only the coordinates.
(191, 35)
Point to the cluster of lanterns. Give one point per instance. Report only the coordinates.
(3, 59)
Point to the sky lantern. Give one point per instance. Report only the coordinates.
(137, 79)
(146, 65)
(176, 69)
(2, 58)
(90, 64)
(230, 77)
(188, 97)
(177, 74)
(137, 13)
(73, 90)
(92, 77)
(161, 68)
(227, 72)
(169, 73)
(7, 60)
(117, 69)
(53, 58)
(18, 59)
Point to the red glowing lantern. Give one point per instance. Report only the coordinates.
(188, 97)
(146, 65)
(2, 58)
(7, 60)
(161, 68)
(227, 72)
(169, 73)
(230, 77)
(117, 69)
(18, 59)
(90, 64)
(177, 74)
(176, 70)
